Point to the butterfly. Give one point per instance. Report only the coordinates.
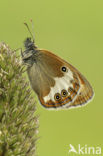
(56, 82)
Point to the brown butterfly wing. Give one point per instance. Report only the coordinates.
(42, 77)
(85, 93)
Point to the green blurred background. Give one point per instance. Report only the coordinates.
(74, 31)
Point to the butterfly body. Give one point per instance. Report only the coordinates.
(57, 83)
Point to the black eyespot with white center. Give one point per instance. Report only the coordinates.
(64, 93)
(64, 69)
(57, 96)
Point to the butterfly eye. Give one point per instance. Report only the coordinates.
(64, 93)
(64, 69)
(57, 96)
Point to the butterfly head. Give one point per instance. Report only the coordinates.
(29, 44)
(29, 55)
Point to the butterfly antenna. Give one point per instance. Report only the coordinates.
(33, 28)
(29, 31)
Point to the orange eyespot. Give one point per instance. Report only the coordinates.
(64, 93)
(63, 69)
(57, 96)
